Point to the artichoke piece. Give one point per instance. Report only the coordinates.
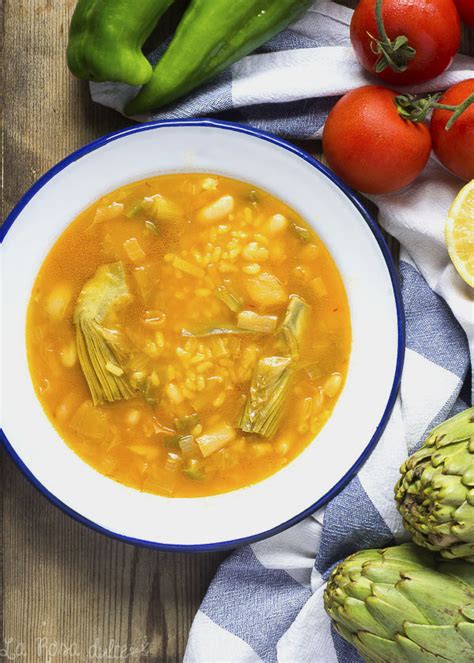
(185, 425)
(100, 349)
(403, 604)
(254, 322)
(268, 390)
(215, 439)
(303, 234)
(215, 331)
(194, 470)
(294, 324)
(159, 208)
(150, 391)
(435, 494)
(228, 297)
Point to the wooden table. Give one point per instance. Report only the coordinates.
(71, 594)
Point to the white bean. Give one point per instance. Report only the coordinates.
(174, 393)
(133, 417)
(209, 183)
(69, 355)
(276, 224)
(217, 210)
(254, 253)
(333, 385)
(58, 301)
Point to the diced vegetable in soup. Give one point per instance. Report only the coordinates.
(188, 335)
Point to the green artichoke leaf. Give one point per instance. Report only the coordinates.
(390, 606)
(468, 612)
(344, 632)
(435, 494)
(443, 641)
(354, 562)
(410, 652)
(268, 390)
(356, 616)
(458, 462)
(463, 571)
(100, 349)
(456, 429)
(294, 325)
(437, 596)
(467, 631)
(384, 613)
(468, 479)
(376, 649)
(105, 291)
(388, 571)
(359, 588)
(451, 491)
(409, 555)
(422, 612)
(463, 530)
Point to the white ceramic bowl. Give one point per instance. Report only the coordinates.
(375, 365)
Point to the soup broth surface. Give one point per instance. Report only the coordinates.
(188, 335)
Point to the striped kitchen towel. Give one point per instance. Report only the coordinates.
(265, 603)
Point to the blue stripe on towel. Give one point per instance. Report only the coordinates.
(288, 41)
(351, 522)
(216, 96)
(254, 603)
(431, 328)
(295, 119)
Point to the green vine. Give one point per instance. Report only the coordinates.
(396, 53)
(416, 110)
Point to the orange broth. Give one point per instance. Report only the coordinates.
(202, 251)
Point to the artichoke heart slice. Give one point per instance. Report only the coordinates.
(268, 390)
(100, 350)
(294, 325)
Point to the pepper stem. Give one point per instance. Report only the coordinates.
(416, 110)
(396, 53)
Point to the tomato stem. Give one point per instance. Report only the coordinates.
(396, 53)
(457, 110)
(416, 110)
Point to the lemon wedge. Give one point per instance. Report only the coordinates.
(459, 233)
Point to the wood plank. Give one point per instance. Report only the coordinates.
(67, 589)
(65, 585)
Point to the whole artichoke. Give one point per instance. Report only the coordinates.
(403, 605)
(436, 492)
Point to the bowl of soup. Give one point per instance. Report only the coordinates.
(202, 335)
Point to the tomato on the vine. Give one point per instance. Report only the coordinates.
(466, 9)
(405, 42)
(370, 146)
(454, 145)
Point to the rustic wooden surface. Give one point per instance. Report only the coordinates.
(69, 593)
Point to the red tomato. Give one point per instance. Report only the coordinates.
(455, 147)
(466, 9)
(370, 146)
(432, 28)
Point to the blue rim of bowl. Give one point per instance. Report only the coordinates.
(279, 142)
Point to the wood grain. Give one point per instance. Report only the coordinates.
(66, 588)
(70, 594)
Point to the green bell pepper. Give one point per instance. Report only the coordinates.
(212, 35)
(106, 39)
